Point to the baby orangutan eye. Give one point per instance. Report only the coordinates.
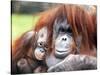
(40, 44)
(41, 35)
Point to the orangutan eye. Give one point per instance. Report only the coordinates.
(41, 35)
(61, 29)
(69, 30)
(40, 44)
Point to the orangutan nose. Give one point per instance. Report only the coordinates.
(42, 50)
(64, 38)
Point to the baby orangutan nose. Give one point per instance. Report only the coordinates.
(42, 50)
(39, 53)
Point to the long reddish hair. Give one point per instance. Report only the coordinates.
(82, 21)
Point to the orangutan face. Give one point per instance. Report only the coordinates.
(63, 40)
(40, 50)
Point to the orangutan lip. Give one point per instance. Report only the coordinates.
(60, 51)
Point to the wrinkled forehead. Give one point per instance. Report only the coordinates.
(42, 31)
(61, 22)
(42, 34)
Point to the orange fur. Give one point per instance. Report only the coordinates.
(83, 23)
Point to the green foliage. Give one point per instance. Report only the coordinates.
(22, 23)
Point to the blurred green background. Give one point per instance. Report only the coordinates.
(25, 14)
(22, 23)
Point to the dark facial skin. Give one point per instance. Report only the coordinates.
(40, 50)
(62, 40)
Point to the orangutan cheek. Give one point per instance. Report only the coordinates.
(63, 46)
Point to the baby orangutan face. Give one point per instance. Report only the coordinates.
(40, 50)
(62, 38)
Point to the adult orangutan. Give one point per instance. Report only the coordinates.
(74, 40)
(67, 37)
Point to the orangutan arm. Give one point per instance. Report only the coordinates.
(19, 48)
(75, 62)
